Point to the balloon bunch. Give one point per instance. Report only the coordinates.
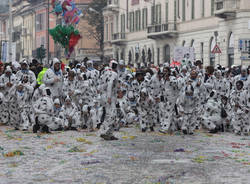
(66, 34)
(67, 9)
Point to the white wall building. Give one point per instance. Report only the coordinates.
(147, 31)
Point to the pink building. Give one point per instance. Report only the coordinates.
(41, 24)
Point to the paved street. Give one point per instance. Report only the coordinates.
(143, 158)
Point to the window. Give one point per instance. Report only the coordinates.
(178, 8)
(175, 11)
(202, 8)
(183, 10)
(192, 43)
(40, 22)
(144, 18)
(212, 7)
(153, 15)
(193, 10)
(123, 23)
(158, 14)
(167, 53)
(134, 2)
(183, 43)
(117, 24)
(166, 11)
(107, 32)
(202, 51)
(131, 21)
(111, 29)
(138, 20)
(43, 41)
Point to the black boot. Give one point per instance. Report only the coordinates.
(98, 126)
(59, 129)
(152, 129)
(222, 128)
(45, 129)
(36, 127)
(108, 137)
(214, 131)
(144, 129)
(84, 127)
(73, 128)
(184, 132)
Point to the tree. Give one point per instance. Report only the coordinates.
(95, 18)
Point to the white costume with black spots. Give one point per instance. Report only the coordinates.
(44, 112)
(4, 114)
(187, 105)
(241, 109)
(20, 106)
(54, 80)
(146, 110)
(110, 99)
(168, 101)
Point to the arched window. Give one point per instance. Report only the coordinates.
(183, 43)
(143, 57)
(149, 55)
(192, 43)
(130, 57)
(122, 54)
(167, 53)
(117, 55)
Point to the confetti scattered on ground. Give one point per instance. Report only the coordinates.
(136, 158)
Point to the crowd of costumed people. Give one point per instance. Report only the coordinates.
(104, 98)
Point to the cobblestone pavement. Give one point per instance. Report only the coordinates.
(144, 158)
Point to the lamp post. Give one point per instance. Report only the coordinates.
(48, 32)
(216, 42)
(10, 31)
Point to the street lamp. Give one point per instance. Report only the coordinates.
(48, 3)
(216, 36)
(10, 31)
(93, 10)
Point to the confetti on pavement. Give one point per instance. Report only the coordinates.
(140, 158)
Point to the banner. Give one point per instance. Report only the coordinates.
(184, 53)
(5, 51)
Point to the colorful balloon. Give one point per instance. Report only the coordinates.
(66, 35)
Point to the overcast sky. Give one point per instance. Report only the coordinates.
(3, 2)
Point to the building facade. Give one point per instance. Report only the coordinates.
(147, 31)
(30, 30)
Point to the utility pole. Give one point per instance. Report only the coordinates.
(10, 31)
(48, 33)
(216, 43)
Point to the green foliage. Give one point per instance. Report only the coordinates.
(41, 52)
(61, 34)
(95, 19)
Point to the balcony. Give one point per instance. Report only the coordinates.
(225, 8)
(160, 31)
(112, 7)
(118, 38)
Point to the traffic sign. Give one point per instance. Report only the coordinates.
(216, 49)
